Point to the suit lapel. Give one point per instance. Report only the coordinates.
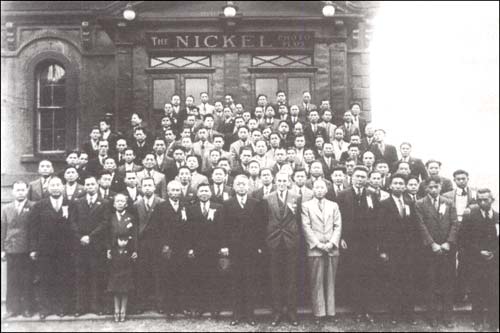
(431, 207)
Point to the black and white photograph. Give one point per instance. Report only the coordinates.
(263, 166)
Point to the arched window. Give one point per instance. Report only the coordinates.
(51, 108)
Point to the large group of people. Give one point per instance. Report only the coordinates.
(219, 197)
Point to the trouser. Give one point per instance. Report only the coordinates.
(360, 272)
(90, 268)
(401, 285)
(205, 284)
(485, 290)
(56, 284)
(243, 269)
(148, 278)
(283, 269)
(322, 271)
(19, 287)
(440, 280)
(174, 284)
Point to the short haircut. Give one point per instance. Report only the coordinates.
(355, 103)
(404, 143)
(202, 128)
(90, 176)
(203, 184)
(361, 168)
(243, 148)
(265, 169)
(140, 128)
(353, 145)
(460, 172)
(402, 162)
(435, 179)
(339, 168)
(299, 170)
(73, 152)
(241, 175)
(182, 168)
(223, 159)
(95, 128)
(20, 182)
(377, 162)
(208, 115)
(410, 177)
(219, 168)
(109, 158)
(374, 172)
(71, 167)
(148, 178)
(400, 176)
(105, 120)
(279, 92)
(432, 161)
(484, 190)
(244, 126)
(217, 136)
(319, 180)
(103, 172)
(138, 114)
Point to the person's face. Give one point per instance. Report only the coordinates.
(140, 136)
(291, 155)
(148, 187)
(259, 113)
(283, 128)
(228, 113)
(243, 134)
(204, 194)
(120, 203)
(103, 126)
(20, 191)
(325, 105)
(95, 134)
(300, 142)
(316, 169)
(55, 188)
(129, 156)
(269, 112)
(149, 162)
(174, 191)
(356, 140)
(131, 180)
(185, 176)
(110, 165)
(348, 117)
(382, 168)
(179, 156)
(189, 101)
(266, 177)
(121, 145)
(281, 97)
(434, 189)
(433, 169)
(283, 110)
(282, 182)
(298, 130)
(186, 133)
(190, 120)
(209, 123)
(176, 100)
(353, 152)
(405, 150)
(261, 148)
(266, 133)
(194, 112)
(225, 165)
(241, 186)
(239, 122)
(187, 143)
(245, 156)
(359, 178)
(218, 176)
(398, 186)
(135, 120)
(328, 150)
(170, 136)
(308, 156)
(219, 107)
(159, 147)
(84, 159)
(355, 110)
(105, 181)
(412, 186)
(338, 177)
(274, 140)
(375, 180)
(168, 109)
(239, 108)
(228, 99)
(327, 116)
(254, 169)
(192, 163)
(404, 169)
(203, 134)
(91, 186)
(294, 110)
(319, 190)
(368, 159)
(350, 167)
(339, 135)
(262, 100)
(72, 159)
(306, 97)
(313, 117)
(214, 157)
(218, 142)
(369, 131)
(319, 143)
(379, 136)
(71, 175)
(280, 156)
(461, 180)
(166, 122)
(252, 124)
(246, 116)
(300, 178)
(204, 98)
(484, 201)
(103, 148)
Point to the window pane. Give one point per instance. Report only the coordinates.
(59, 95)
(45, 96)
(267, 87)
(59, 119)
(195, 87)
(46, 140)
(296, 86)
(60, 139)
(162, 91)
(46, 120)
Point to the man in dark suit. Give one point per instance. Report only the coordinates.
(480, 234)
(243, 240)
(104, 180)
(437, 220)
(417, 167)
(91, 147)
(72, 190)
(150, 244)
(204, 218)
(164, 163)
(328, 160)
(38, 189)
(266, 177)
(357, 121)
(433, 168)
(96, 164)
(51, 242)
(117, 183)
(368, 140)
(221, 192)
(89, 224)
(141, 144)
(382, 150)
(132, 189)
(108, 135)
(15, 218)
(359, 244)
(282, 239)
(313, 129)
(306, 106)
(398, 243)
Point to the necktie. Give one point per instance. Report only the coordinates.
(300, 192)
(148, 206)
(19, 207)
(320, 205)
(57, 206)
(402, 204)
(205, 210)
(464, 193)
(436, 204)
(338, 188)
(282, 197)
(90, 202)
(242, 202)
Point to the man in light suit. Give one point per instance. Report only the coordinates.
(128, 165)
(437, 220)
(417, 167)
(433, 169)
(38, 189)
(282, 239)
(149, 163)
(15, 251)
(299, 187)
(321, 222)
(306, 106)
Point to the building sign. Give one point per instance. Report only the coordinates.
(240, 40)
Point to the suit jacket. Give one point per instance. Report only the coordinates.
(126, 226)
(150, 224)
(361, 126)
(321, 226)
(329, 187)
(94, 166)
(197, 148)
(122, 172)
(304, 111)
(90, 221)
(311, 137)
(159, 178)
(88, 148)
(140, 152)
(165, 165)
(446, 186)
(399, 237)
(471, 197)
(330, 130)
(227, 193)
(235, 147)
(36, 192)
(283, 225)
(175, 228)
(365, 146)
(50, 232)
(204, 233)
(349, 132)
(338, 149)
(79, 192)
(417, 168)
(243, 228)
(480, 234)
(390, 154)
(328, 169)
(15, 227)
(437, 226)
(188, 197)
(307, 193)
(259, 194)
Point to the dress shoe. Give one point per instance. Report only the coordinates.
(43, 316)
(276, 320)
(318, 320)
(9, 314)
(433, 323)
(117, 317)
(27, 314)
(368, 318)
(251, 322)
(77, 314)
(122, 316)
(447, 323)
(292, 319)
(234, 322)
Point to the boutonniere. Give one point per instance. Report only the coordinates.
(496, 226)
(65, 211)
(473, 194)
(225, 196)
(98, 202)
(407, 210)
(211, 214)
(129, 225)
(26, 209)
(442, 209)
(292, 206)
(369, 201)
(127, 218)
(183, 214)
